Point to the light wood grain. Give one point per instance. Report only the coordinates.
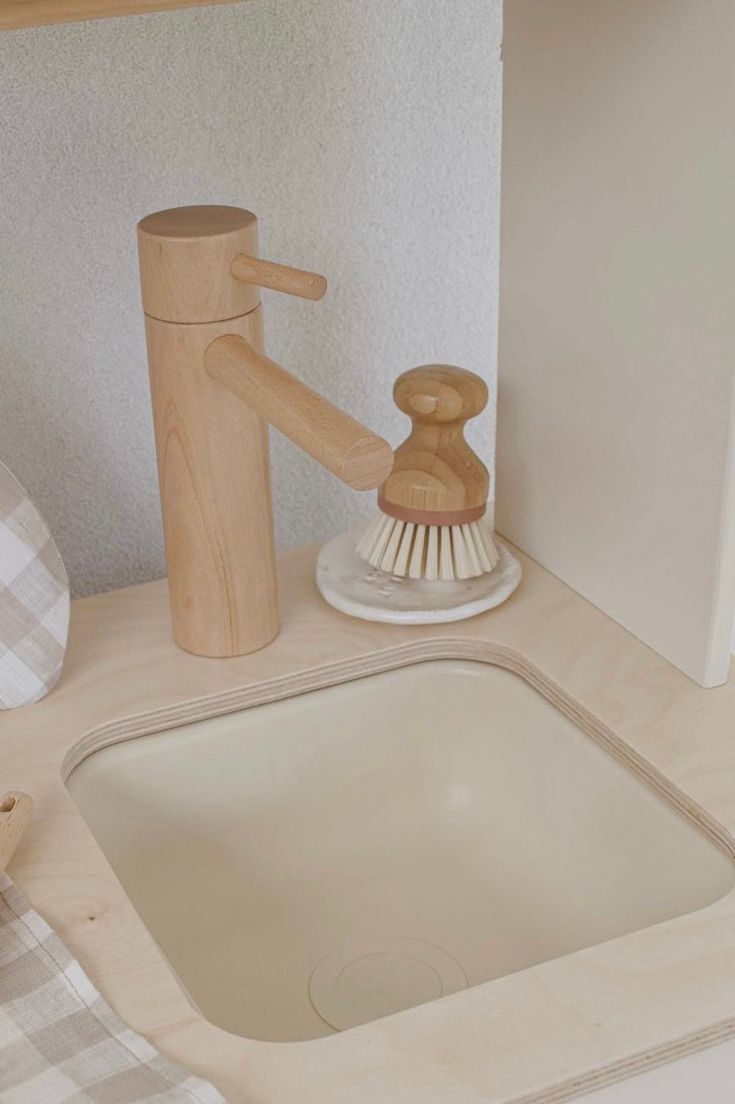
(437, 479)
(16, 14)
(200, 275)
(16, 810)
(213, 463)
(346, 448)
(215, 493)
(541, 1036)
(185, 256)
(278, 277)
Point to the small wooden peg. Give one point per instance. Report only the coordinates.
(16, 810)
(277, 277)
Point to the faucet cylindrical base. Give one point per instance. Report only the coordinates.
(215, 494)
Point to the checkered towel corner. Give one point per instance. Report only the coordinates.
(34, 600)
(60, 1043)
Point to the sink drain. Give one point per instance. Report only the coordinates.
(364, 981)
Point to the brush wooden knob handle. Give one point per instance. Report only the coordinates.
(437, 479)
(439, 394)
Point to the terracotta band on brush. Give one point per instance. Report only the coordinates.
(432, 517)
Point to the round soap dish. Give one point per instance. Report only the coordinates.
(349, 584)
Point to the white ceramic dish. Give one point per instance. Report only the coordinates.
(349, 584)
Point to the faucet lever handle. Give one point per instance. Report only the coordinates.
(278, 277)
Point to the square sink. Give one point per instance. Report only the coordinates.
(321, 861)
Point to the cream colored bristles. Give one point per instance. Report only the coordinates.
(374, 542)
(431, 563)
(404, 550)
(446, 563)
(416, 563)
(388, 558)
(463, 558)
(435, 552)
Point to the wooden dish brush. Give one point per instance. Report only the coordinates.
(431, 521)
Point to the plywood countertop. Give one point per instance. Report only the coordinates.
(540, 1035)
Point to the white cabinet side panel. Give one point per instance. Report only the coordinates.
(617, 320)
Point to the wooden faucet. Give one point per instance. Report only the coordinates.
(200, 277)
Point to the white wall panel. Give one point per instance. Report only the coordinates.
(617, 331)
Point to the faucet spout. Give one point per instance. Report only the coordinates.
(345, 447)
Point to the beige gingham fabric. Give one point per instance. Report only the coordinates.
(59, 1042)
(34, 600)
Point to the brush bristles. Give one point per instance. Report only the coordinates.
(443, 552)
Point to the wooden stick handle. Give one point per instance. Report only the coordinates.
(267, 274)
(346, 448)
(16, 809)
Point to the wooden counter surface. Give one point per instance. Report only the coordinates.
(544, 1034)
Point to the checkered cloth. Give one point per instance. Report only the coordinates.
(34, 600)
(59, 1042)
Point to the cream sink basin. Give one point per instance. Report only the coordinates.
(321, 861)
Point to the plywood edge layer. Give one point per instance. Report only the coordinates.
(389, 659)
(631, 1067)
(19, 14)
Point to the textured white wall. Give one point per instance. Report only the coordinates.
(365, 135)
